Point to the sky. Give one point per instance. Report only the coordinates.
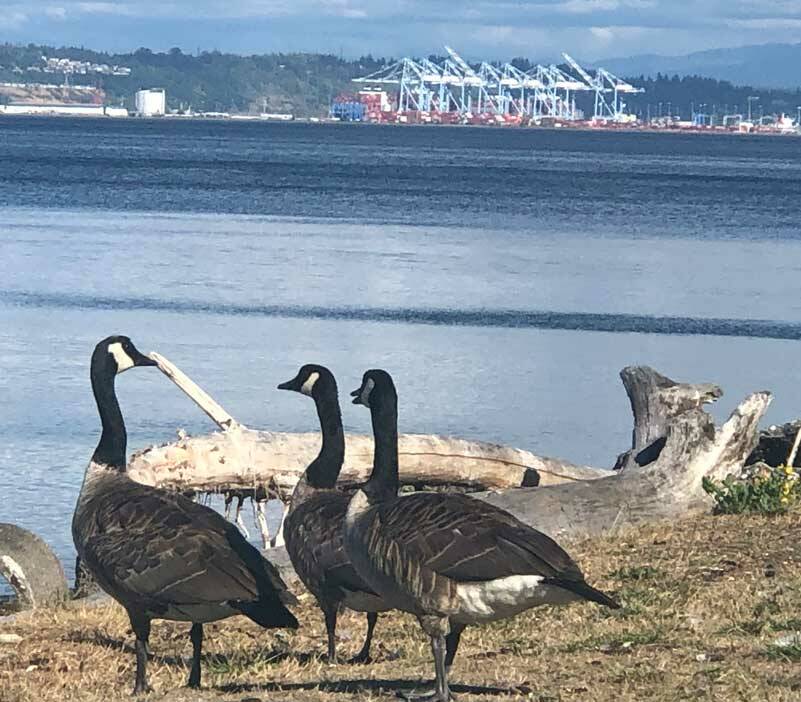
(491, 29)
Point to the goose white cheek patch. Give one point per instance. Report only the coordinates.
(306, 388)
(122, 359)
(366, 390)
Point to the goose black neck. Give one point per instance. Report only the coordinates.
(384, 482)
(113, 441)
(324, 470)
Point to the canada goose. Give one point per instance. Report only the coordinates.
(450, 559)
(313, 526)
(159, 554)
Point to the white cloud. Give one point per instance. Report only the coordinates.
(768, 23)
(605, 35)
(12, 19)
(57, 13)
(538, 29)
(594, 6)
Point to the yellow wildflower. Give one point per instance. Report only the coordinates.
(788, 470)
(785, 500)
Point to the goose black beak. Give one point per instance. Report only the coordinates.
(290, 385)
(357, 396)
(140, 359)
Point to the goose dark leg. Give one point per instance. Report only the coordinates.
(331, 627)
(443, 693)
(444, 643)
(196, 635)
(452, 644)
(363, 656)
(141, 628)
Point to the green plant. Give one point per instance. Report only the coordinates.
(791, 652)
(765, 490)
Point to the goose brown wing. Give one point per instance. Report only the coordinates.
(469, 540)
(166, 549)
(315, 542)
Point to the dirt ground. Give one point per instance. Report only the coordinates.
(704, 602)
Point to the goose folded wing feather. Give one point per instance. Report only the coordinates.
(166, 555)
(467, 540)
(319, 528)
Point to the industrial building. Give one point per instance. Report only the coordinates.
(151, 102)
(63, 110)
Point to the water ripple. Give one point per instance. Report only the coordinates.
(505, 318)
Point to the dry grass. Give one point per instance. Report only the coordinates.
(704, 600)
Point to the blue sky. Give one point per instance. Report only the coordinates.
(490, 29)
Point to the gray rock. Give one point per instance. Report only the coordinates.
(31, 568)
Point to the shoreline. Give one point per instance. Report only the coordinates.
(248, 119)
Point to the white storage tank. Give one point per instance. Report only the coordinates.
(151, 102)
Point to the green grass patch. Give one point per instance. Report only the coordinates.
(790, 653)
(635, 573)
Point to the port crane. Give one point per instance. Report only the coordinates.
(619, 87)
(410, 77)
(473, 79)
(452, 85)
(602, 109)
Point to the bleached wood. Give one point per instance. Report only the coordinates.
(655, 401)
(794, 451)
(668, 488)
(244, 459)
(203, 400)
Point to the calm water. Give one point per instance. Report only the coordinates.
(504, 277)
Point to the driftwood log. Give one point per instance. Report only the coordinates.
(668, 487)
(656, 401)
(259, 463)
(242, 459)
(675, 444)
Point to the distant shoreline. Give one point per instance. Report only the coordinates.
(247, 119)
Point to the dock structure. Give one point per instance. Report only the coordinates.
(454, 91)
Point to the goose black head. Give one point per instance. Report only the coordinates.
(375, 382)
(116, 354)
(310, 377)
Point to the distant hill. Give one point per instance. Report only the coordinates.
(763, 65)
(303, 84)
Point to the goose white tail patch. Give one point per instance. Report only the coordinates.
(366, 390)
(505, 597)
(357, 506)
(122, 359)
(306, 388)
